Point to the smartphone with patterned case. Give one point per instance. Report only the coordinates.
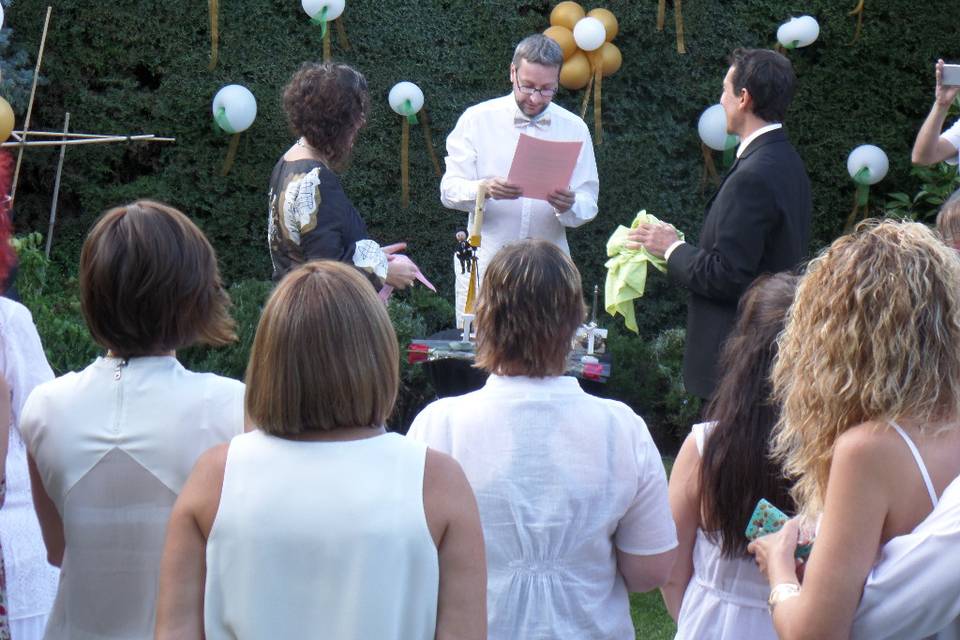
(767, 519)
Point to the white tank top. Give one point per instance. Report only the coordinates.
(322, 540)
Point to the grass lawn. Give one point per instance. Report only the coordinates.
(650, 617)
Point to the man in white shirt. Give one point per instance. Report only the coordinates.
(931, 146)
(480, 150)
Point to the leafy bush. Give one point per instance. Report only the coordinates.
(937, 183)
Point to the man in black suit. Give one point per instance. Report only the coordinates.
(757, 222)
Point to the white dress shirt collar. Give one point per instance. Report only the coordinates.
(756, 134)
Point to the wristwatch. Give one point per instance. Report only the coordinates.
(781, 592)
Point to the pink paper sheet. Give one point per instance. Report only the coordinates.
(541, 166)
(387, 289)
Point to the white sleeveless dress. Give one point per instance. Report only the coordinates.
(322, 540)
(913, 591)
(31, 581)
(726, 598)
(114, 444)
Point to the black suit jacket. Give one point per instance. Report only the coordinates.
(757, 222)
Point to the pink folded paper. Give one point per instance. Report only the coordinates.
(387, 289)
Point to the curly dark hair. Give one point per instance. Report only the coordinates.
(325, 104)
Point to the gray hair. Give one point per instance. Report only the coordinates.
(538, 49)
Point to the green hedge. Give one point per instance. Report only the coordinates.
(127, 66)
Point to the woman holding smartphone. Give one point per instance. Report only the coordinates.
(869, 380)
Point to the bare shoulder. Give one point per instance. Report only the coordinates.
(447, 496)
(200, 496)
(869, 448)
(443, 474)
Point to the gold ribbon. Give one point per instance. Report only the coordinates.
(214, 33)
(678, 14)
(586, 98)
(326, 45)
(428, 139)
(342, 34)
(231, 154)
(474, 287)
(597, 59)
(661, 14)
(710, 173)
(405, 164)
(857, 11)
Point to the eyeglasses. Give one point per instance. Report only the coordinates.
(529, 91)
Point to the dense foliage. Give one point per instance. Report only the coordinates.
(121, 67)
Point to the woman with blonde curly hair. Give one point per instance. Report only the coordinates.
(869, 379)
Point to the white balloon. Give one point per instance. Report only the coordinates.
(589, 33)
(712, 128)
(314, 7)
(403, 91)
(872, 157)
(239, 105)
(798, 32)
(1, 15)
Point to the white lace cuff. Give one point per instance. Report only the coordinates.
(370, 257)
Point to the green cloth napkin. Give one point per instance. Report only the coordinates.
(627, 271)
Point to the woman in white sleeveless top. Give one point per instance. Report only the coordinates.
(111, 446)
(869, 378)
(319, 524)
(31, 580)
(716, 591)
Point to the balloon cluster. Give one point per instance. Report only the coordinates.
(588, 53)
(579, 33)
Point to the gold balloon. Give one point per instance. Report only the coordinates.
(575, 72)
(611, 58)
(608, 19)
(566, 14)
(6, 120)
(563, 37)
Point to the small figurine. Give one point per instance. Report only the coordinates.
(464, 252)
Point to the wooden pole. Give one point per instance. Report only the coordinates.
(56, 187)
(70, 135)
(33, 92)
(60, 143)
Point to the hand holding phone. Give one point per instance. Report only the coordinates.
(950, 75)
(767, 519)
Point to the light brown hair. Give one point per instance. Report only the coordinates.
(530, 305)
(872, 335)
(948, 221)
(149, 282)
(325, 355)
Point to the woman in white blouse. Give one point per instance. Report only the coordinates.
(111, 446)
(571, 489)
(869, 379)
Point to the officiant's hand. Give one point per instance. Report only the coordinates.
(657, 238)
(561, 199)
(500, 189)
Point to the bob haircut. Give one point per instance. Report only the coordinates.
(529, 308)
(149, 283)
(873, 335)
(326, 104)
(325, 355)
